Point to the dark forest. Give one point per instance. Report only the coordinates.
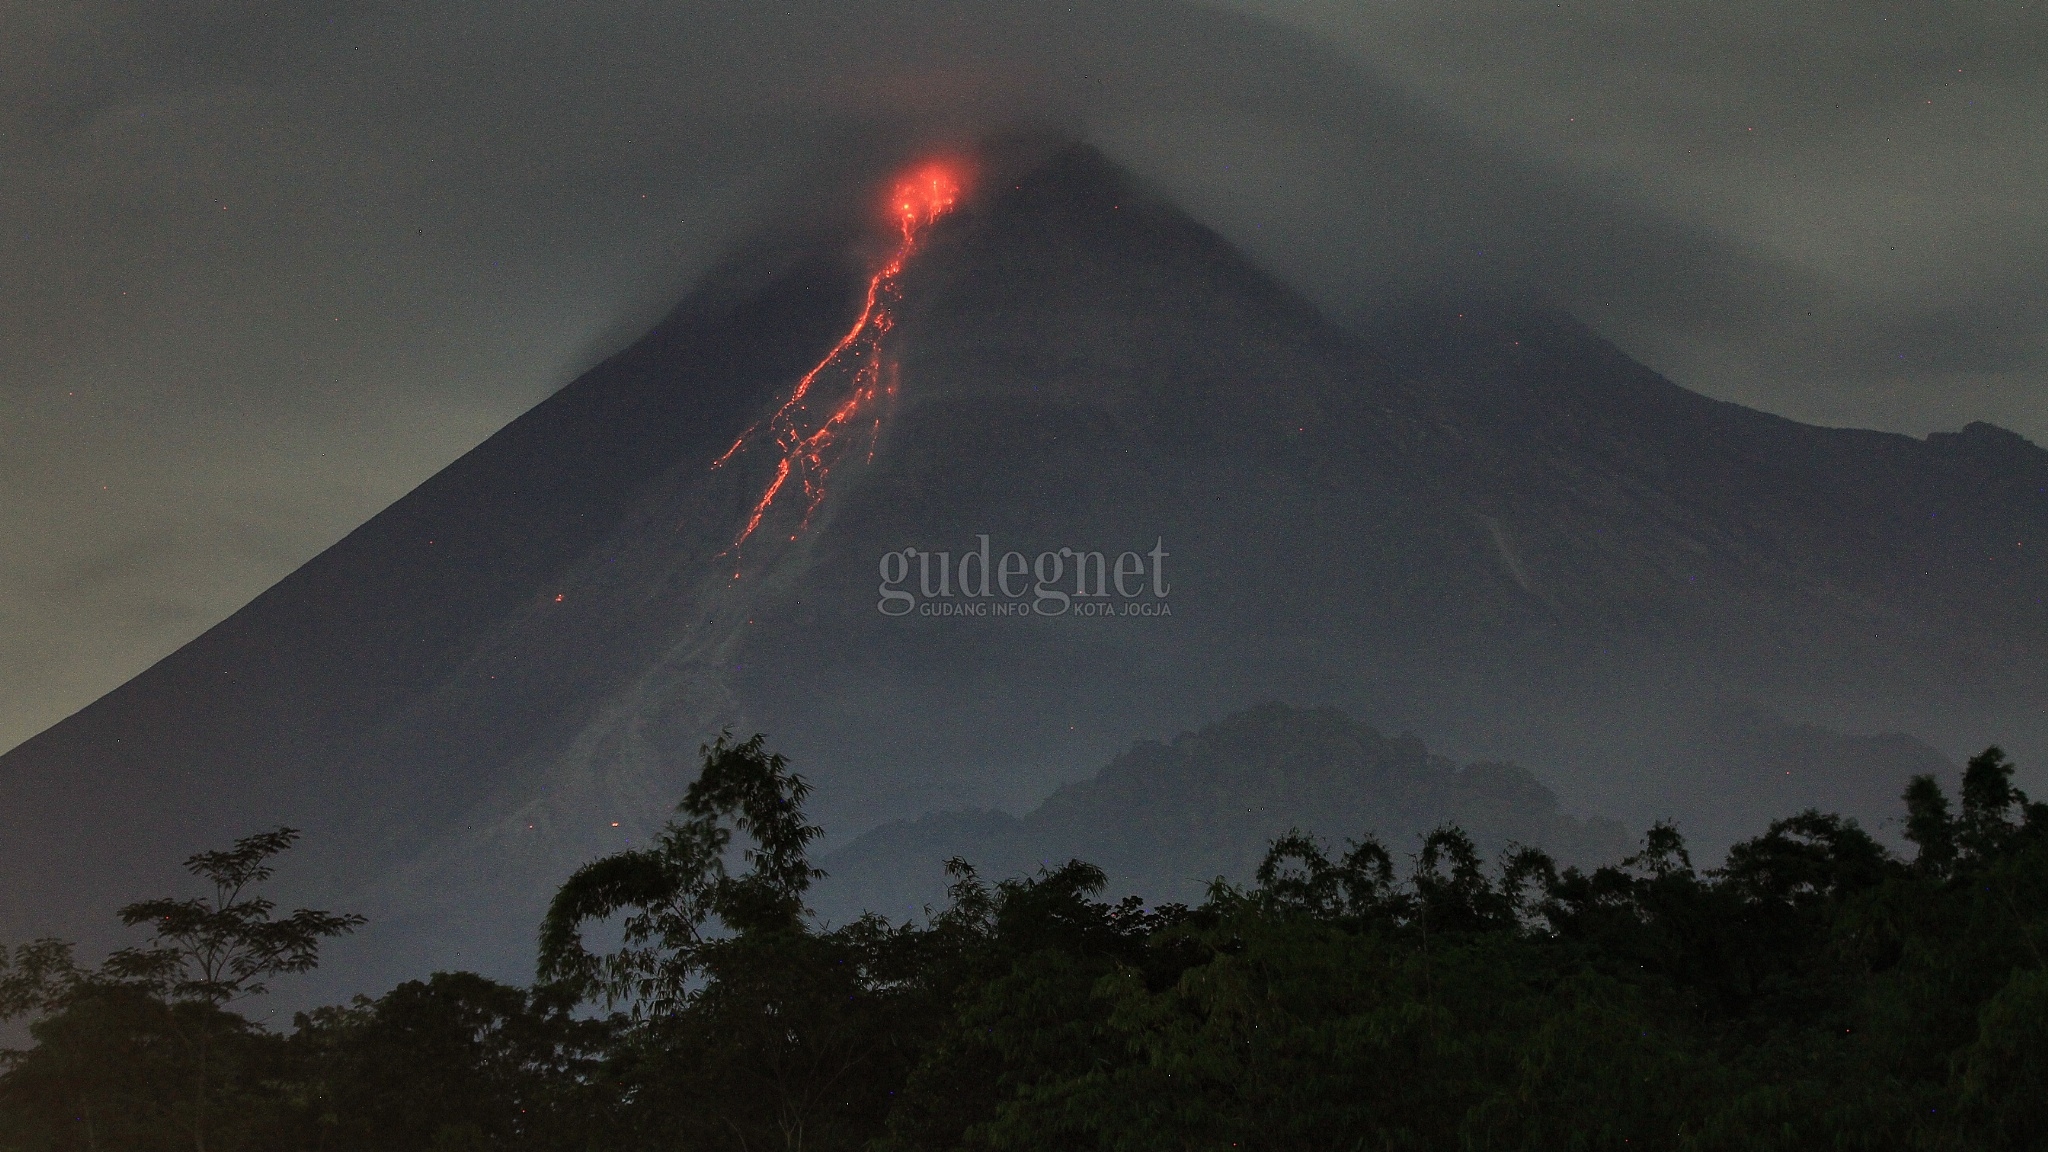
(1817, 990)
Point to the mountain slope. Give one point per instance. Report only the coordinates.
(1498, 533)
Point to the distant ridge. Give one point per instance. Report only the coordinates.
(1165, 819)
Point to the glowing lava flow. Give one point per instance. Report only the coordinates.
(808, 448)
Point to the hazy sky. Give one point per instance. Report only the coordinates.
(265, 266)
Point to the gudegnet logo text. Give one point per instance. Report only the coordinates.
(982, 582)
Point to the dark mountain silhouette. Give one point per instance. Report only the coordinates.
(1165, 819)
(1489, 528)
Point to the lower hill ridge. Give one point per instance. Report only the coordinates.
(1163, 820)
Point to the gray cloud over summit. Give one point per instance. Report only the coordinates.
(265, 266)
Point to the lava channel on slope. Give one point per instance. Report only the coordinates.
(840, 395)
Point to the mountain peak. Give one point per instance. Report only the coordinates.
(1985, 438)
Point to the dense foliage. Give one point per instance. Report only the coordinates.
(1816, 991)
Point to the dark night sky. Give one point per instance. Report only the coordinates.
(263, 267)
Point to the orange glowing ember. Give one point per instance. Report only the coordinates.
(924, 197)
(809, 443)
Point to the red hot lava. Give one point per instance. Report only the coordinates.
(808, 431)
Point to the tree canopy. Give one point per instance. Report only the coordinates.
(1815, 990)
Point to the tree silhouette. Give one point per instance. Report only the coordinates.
(207, 951)
(223, 948)
(673, 890)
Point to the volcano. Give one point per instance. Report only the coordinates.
(1165, 487)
